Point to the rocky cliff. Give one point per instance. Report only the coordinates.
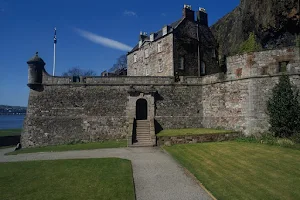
(274, 22)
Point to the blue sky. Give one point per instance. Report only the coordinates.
(91, 34)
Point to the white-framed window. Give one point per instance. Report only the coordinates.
(160, 65)
(146, 53)
(202, 68)
(135, 58)
(213, 53)
(181, 64)
(159, 47)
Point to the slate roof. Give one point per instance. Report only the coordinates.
(159, 34)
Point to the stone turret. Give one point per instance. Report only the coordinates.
(35, 72)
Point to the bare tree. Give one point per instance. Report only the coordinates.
(76, 71)
(120, 64)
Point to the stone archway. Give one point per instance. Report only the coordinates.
(141, 109)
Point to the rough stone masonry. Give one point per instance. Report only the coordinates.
(66, 109)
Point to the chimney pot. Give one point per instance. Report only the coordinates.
(188, 13)
(202, 17)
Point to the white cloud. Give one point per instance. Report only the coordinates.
(163, 14)
(103, 41)
(130, 13)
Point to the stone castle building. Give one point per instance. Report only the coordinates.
(185, 47)
(63, 110)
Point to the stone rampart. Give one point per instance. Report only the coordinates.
(61, 110)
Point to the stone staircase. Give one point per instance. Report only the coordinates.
(143, 137)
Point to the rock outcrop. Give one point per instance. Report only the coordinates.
(274, 22)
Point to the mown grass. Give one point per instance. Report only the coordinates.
(105, 178)
(10, 132)
(237, 170)
(191, 131)
(69, 147)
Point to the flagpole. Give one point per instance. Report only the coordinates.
(54, 52)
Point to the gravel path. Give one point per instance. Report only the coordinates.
(156, 175)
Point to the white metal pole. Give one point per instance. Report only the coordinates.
(54, 52)
(54, 59)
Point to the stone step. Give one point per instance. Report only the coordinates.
(143, 127)
(143, 130)
(144, 141)
(143, 137)
(143, 124)
(141, 145)
(143, 133)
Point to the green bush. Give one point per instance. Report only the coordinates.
(284, 142)
(298, 40)
(250, 45)
(296, 137)
(284, 109)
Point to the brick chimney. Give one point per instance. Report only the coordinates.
(202, 17)
(188, 13)
(142, 36)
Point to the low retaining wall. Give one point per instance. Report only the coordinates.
(9, 140)
(190, 139)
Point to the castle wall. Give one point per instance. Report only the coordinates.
(237, 100)
(68, 112)
(96, 108)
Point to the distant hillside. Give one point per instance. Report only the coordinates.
(12, 110)
(274, 22)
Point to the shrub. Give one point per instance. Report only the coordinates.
(284, 142)
(296, 137)
(284, 109)
(250, 45)
(298, 40)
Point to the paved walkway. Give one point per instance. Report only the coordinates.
(156, 175)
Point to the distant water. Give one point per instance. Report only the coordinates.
(11, 121)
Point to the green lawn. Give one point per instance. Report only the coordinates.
(106, 178)
(191, 131)
(85, 146)
(10, 132)
(239, 170)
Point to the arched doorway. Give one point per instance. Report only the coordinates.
(141, 109)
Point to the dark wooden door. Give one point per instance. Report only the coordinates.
(141, 109)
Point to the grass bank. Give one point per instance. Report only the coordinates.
(69, 147)
(238, 170)
(191, 131)
(105, 178)
(10, 132)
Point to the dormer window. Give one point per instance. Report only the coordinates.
(159, 47)
(146, 53)
(134, 58)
